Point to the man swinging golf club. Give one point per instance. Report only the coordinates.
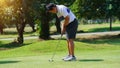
(69, 26)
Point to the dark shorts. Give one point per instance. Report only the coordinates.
(71, 29)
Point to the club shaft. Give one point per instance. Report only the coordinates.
(56, 48)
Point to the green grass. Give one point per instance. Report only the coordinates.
(93, 28)
(98, 27)
(99, 53)
(12, 33)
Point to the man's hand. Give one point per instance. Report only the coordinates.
(63, 30)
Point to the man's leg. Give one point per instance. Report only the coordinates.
(68, 48)
(71, 51)
(71, 47)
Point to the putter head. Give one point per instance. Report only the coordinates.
(51, 60)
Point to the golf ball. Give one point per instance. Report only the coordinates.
(50, 60)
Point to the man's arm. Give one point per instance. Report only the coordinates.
(66, 22)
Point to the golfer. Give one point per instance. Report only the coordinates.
(69, 26)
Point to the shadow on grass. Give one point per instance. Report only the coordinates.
(8, 62)
(11, 45)
(112, 40)
(91, 60)
(15, 33)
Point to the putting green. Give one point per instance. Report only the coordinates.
(91, 59)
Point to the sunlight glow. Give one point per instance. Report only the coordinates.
(2, 3)
(6, 10)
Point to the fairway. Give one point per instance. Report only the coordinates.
(39, 33)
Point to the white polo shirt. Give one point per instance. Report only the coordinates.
(63, 11)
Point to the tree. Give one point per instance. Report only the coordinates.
(94, 9)
(19, 13)
(41, 14)
(113, 8)
(76, 7)
(1, 27)
(1, 23)
(2, 4)
(20, 9)
(22, 13)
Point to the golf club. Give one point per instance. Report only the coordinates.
(51, 60)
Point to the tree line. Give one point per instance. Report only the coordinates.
(22, 12)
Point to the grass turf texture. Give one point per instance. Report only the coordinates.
(101, 53)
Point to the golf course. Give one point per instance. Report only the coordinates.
(99, 53)
(59, 33)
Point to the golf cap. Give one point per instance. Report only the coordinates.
(50, 6)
